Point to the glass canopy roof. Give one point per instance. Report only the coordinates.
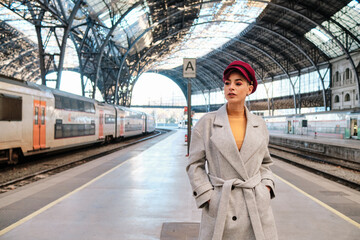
(217, 24)
(349, 18)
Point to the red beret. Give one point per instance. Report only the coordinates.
(246, 70)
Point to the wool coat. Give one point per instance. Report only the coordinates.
(234, 181)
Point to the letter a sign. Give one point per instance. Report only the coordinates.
(189, 68)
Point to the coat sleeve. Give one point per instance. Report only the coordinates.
(267, 177)
(199, 180)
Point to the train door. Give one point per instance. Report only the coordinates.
(39, 125)
(101, 124)
(353, 127)
(289, 128)
(122, 126)
(143, 118)
(304, 127)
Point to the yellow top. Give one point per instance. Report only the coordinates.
(238, 128)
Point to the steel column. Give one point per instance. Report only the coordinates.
(64, 40)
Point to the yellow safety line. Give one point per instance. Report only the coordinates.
(356, 224)
(34, 214)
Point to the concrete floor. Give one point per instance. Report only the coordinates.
(147, 186)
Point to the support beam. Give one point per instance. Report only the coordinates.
(64, 40)
(352, 64)
(106, 41)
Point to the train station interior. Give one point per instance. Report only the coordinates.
(94, 165)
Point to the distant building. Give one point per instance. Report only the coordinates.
(344, 94)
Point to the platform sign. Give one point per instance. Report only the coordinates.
(189, 68)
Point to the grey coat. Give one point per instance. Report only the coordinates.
(234, 181)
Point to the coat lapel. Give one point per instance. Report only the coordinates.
(224, 141)
(252, 136)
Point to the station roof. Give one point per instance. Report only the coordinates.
(114, 41)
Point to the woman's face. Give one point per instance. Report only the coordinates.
(236, 88)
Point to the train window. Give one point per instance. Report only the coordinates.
(74, 104)
(304, 123)
(42, 116)
(58, 103)
(36, 115)
(67, 130)
(66, 103)
(109, 118)
(81, 106)
(10, 108)
(58, 130)
(73, 130)
(89, 107)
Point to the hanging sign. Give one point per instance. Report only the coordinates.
(189, 68)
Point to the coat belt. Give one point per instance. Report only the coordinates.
(247, 188)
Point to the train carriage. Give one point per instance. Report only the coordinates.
(23, 118)
(75, 120)
(352, 125)
(150, 123)
(120, 122)
(35, 119)
(333, 124)
(277, 124)
(106, 121)
(131, 122)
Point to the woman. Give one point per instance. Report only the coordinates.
(235, 187)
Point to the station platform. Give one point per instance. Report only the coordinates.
(349, 143)
(142, 192)
(345, 149)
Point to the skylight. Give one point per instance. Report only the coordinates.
(217, 24)
(349, 18)
(19, 24)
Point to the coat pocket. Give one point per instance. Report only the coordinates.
(263, 198)
(212, 206)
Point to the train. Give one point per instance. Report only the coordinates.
(36, 119)
(340, 124)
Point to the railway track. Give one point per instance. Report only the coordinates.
(338, 170)
(22, 174)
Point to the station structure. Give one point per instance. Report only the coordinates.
(305, 53)
(306, 57)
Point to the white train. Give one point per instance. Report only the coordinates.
(36, 119)
(334, 124)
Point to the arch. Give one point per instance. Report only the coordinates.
(347, 97)
(146, 92)
(211, 1)
(337, 99)
(106, 41)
